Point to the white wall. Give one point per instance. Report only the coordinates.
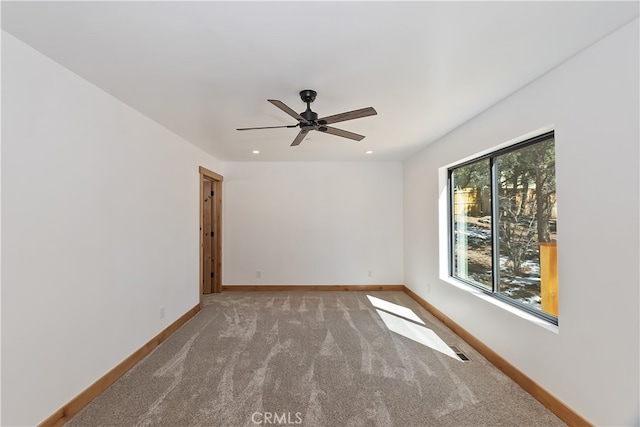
(99, 229)
(313, 223)
(591, 361)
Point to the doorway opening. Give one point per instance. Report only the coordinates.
(210, 232)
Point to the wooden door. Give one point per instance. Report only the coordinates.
(216, 237)
(210, 232)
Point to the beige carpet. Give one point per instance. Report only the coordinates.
(313, 359)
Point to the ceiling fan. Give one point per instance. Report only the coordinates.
(308, 120)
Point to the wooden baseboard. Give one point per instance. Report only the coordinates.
(74, 406)
(552, 403)
(308, 288)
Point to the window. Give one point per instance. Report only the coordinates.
(503, 237)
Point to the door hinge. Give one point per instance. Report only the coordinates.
(212, 274)
(212, 234)
(211, 193)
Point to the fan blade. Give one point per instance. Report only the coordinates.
(281, 105)
(342, 133)
(299, 138)
(349, 115)
(269, 127)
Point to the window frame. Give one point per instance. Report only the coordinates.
(493, 180)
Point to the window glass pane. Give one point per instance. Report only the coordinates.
(472, 223)
(527, 225)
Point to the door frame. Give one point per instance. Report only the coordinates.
(216, 218)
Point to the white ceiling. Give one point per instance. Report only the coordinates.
(202, 69)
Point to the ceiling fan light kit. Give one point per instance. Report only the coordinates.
(308, 120)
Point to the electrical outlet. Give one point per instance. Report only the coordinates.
(258, 274)
(162, 311)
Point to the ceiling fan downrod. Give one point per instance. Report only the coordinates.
(308, 96)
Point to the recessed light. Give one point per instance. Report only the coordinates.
(368, 152)
(256, 152)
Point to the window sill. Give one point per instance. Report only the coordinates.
(508, 307)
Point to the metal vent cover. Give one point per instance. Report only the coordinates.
(459, 353)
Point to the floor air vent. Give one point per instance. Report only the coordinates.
(459, 353)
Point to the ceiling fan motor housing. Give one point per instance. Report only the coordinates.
(309, 115)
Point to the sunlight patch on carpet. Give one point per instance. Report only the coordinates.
(402, 320)
(396, 309)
